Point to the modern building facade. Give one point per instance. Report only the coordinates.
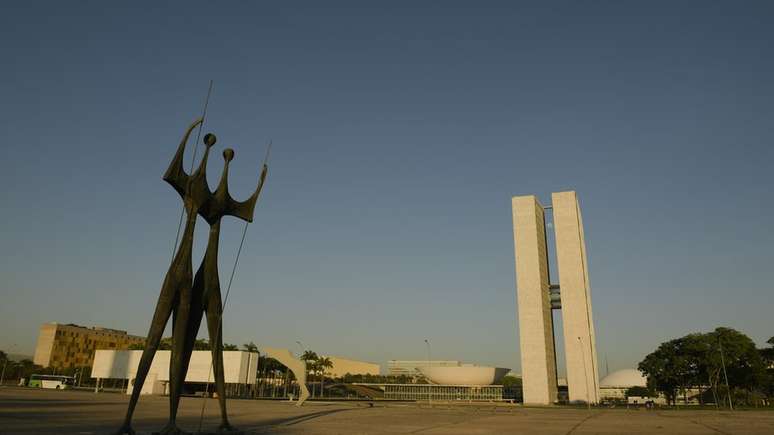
(67, 346)
(537, 297)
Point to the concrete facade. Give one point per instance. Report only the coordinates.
(579, 338)
(534, 288)
(67, 346)
(538, 359)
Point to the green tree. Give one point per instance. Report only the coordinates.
(767, 356)
(638, 391)
(164, 344)
(250, 347)
(666, 368)
(744, 366)
(697, 360)
(322, 365)
(511, 381)
(310, 358)
(202, 344)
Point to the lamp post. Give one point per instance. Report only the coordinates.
(427, 376)
(585, 375)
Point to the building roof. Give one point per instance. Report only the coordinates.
(464, 375)
(624, 379)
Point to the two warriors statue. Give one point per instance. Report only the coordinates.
(185, 296)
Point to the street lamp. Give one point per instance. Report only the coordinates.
(585, 375)
(427, 376)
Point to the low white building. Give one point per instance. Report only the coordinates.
(239, 367)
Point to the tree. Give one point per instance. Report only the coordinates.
(767, 355)
(164, 344)
(666, 368)
(250, 347)
(697, 360)
(310, 358)
(202, 344)
(744, 366)
(511, 381)
(638, 391)
(199, 344)
(323, 364)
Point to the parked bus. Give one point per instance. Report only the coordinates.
(51, 381)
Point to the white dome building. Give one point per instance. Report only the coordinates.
(625, 378)
(614, 385)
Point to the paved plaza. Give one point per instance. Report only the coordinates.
(28, 411)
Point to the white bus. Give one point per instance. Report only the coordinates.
(51, 381)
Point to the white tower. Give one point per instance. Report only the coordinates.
(537, 297)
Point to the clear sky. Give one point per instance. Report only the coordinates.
(401, 131)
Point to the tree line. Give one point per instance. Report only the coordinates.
(199, 344)
(723, 365)
(15, 370)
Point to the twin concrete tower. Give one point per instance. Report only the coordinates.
(538, 297)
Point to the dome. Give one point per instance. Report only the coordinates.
(624, 379)
(464, 375)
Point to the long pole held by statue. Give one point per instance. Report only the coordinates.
(725, 375)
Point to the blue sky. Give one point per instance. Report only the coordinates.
(400, 131)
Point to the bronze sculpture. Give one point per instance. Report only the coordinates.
(186, 298)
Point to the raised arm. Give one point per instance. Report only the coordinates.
(175, 174)
(244, 210)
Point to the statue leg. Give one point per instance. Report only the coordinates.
(215, 327)
(160, 317)
(178, 365)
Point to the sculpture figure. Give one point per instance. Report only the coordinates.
(182, 297)
(295, 365)
(206, 297)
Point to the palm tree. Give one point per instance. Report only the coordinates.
(310, 358)
(323, 364)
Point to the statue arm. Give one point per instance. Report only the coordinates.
(175, 174)
(244, 210)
